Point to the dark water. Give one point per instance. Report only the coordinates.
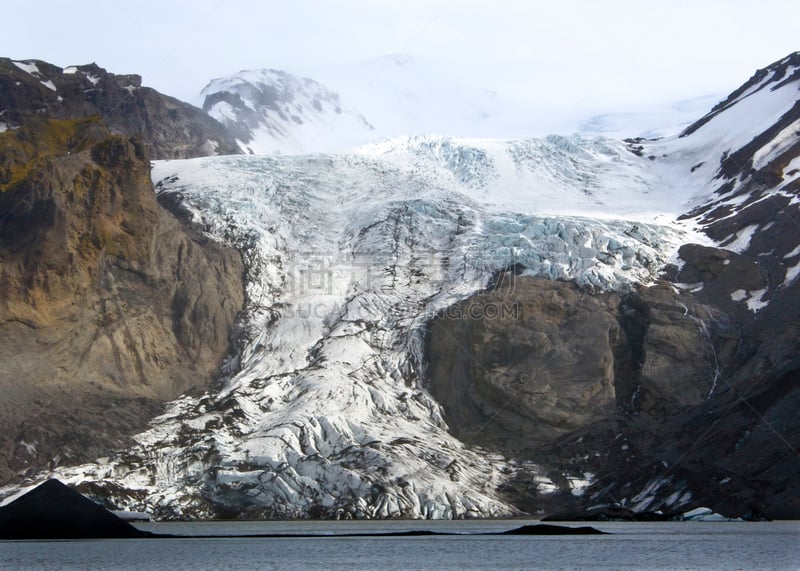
(686, 545)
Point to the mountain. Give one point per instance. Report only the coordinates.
(446, 327)
(111, 303)
(402, 94)
(273, 112)
(169, 128)
(650, 122)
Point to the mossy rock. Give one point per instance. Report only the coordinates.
(23, 150)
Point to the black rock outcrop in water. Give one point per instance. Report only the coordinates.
(54, 511)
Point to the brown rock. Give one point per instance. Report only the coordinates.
(109, 306)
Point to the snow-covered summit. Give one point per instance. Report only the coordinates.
(741, 162)
(273, 112)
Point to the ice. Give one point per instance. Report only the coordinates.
(706, 514)
(349, 256)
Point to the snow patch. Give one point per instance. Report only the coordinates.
(740, 242)
(28, 67)
(793, 253)
(782, 141)
(792, 274)
(754, 299)
(739, 295)
(756, 303)
(49, 85)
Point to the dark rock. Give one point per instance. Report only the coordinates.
(169, 128)
(693, 400)
(543, 529)
(54, 511)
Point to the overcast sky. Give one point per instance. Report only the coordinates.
(570, 52)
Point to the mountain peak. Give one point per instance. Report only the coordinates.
(773, 77)
(273, 111)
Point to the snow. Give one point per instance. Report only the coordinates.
(3, 127)
(756, 302)
(706, 514)
(791, 274)
(404, 95)
(754, 299)
(49, 85)
(349, 256)
(692, 162)
(782, 141)
(579, 485)
(740, 242)
(793, 253)
(300, 115)
(650, 122)
(16, 494)
(70, 70)
(28, 67)
(739, 295)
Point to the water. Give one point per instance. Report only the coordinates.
(686, 545)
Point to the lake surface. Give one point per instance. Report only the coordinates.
(678, 545)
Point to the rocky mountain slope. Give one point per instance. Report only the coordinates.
(273, 112)
(109, 304)
(683, 391)
(444, 327)
(169, 128)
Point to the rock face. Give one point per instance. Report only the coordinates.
(683, 392)
(108, 306)
(169, 129)
(664, 397)
(519, 369)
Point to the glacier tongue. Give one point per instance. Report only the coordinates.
(348, 258)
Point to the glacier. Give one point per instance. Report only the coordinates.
(325, 411)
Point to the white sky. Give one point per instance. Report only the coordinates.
(604, 53)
